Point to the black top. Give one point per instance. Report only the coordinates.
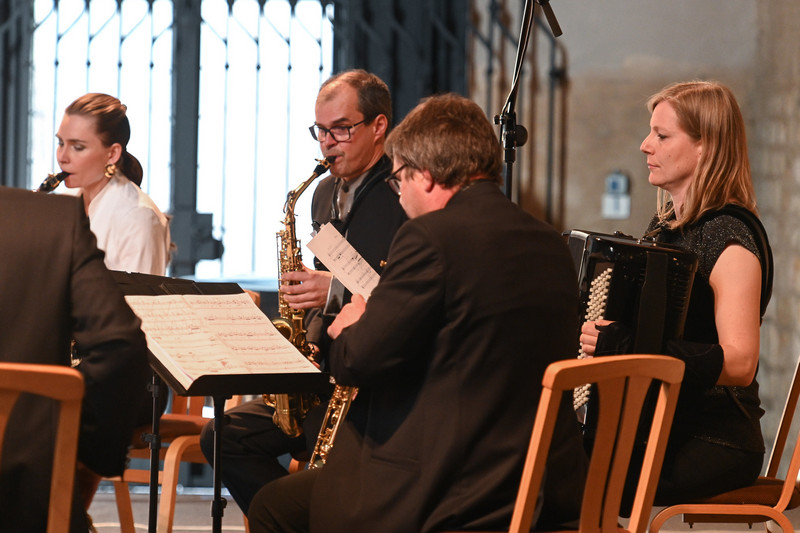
(724, 415)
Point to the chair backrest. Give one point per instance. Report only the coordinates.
(187, 405)
(193, 405)
(64, 385)
(785, 424)
(622, 382)
(791, 482)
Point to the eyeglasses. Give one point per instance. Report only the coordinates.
(339, 133)
(394, 180)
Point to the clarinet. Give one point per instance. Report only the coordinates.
(51, 182)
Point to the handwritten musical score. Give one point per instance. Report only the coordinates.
(200, 335)
(343, 261)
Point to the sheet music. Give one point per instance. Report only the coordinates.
(195, 335)
(343, 261)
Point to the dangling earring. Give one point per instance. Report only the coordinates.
(111, 169)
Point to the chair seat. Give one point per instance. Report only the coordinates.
(170, 427)
(765, 491)
(764, 501)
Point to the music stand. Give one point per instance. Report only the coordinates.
(219, 387)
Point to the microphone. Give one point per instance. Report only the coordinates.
(550, 16)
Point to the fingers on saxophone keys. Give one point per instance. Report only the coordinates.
(293, 276)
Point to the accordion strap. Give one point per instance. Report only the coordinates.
(650, 319)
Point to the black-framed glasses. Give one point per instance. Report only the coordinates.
(339, 133)
(394, 180)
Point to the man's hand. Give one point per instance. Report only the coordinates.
(349, 315)
(310, 289)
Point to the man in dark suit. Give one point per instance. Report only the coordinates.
(353, 115)
(353, 112)
(477, 298)
(54, 290)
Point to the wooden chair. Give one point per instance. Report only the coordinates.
(622, 384)
(766, 500)
(180, 437)
(64, 385)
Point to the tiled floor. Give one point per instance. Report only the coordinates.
(193, 514)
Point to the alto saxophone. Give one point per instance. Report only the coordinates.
(51, 182)
(291, 409)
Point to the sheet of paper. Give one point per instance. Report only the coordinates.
(343, 261)
(196, 335)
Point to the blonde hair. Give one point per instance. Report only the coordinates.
(708, 112)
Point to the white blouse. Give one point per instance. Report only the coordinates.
(130, 229)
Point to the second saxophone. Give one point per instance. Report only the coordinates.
(338, 406)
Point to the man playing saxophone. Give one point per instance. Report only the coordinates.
(476, 299)
(353, 112)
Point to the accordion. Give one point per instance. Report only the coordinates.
(641, 283)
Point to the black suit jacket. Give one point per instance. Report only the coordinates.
(55, 288)
(475, 301)
(370, 227)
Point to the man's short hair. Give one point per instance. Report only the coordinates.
(374, 97)
(449, 136)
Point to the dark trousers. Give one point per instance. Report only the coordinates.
(700, 469)
(695, 469)
(283, 506)
(252, 444)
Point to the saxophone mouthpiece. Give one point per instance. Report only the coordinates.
(324, 165)
(51, 182)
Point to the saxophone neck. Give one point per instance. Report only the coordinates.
(291, 198)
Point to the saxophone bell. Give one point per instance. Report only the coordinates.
(51, 182)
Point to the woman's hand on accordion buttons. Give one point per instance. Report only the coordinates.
(605, 337)
(589, 334)
(614, 338)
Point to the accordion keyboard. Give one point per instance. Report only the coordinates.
(595, 309)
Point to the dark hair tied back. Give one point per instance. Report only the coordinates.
(112, 126)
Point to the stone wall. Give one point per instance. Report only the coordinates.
(775, 159)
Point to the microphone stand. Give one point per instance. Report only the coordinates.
(512, 134)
